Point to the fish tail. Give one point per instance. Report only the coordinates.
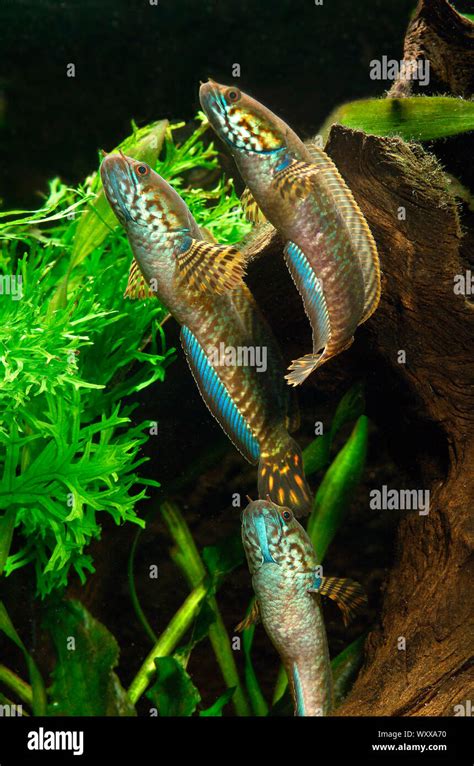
(301, 368)
(281, 476)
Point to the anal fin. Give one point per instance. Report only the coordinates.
(314, 301)
(217, 397)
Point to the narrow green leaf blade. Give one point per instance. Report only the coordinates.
(416, 118)
(36, 680)
(334, 494)
(98, 219)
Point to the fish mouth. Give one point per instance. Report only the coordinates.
(213, 103)
(117, 181)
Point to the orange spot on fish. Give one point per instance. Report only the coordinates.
(299, 481)
(270, 483)
(281, 495)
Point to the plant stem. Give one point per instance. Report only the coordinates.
(133, 593)
(14, 682)
(168, 640)
(188, 559)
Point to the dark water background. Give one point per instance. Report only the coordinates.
(136, 60)
(140, 61)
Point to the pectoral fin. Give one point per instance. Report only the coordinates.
(207, 266)
(137, 287)
(295, 179)
(252, 618)
(251, 208)
(348, 594)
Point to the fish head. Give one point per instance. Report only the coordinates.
(241, 121)
(272, 535)
(137, 194)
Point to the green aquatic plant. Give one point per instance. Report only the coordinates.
(74, 353)
(414, 118)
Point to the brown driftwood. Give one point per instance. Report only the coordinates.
(437, 32)
(427, 601)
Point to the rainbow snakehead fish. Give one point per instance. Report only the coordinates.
(288, 585)
(201, 285)
(329, 249)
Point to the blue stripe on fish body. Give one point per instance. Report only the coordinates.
(218, 398)
(299, 699)
(314, 296)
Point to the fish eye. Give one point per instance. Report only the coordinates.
(286, 515)
(232, 95)
(142, 170)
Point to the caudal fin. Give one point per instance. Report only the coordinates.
(301, 368)
(281, 476)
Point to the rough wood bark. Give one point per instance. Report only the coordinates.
(427, 600)
(437, 32)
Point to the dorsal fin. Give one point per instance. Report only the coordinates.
(353, 218)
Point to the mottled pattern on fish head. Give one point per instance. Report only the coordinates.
(138, 196)
(243, 123)
(272, 535)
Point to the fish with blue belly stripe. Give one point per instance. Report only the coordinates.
(298, 189)
(200, 283)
